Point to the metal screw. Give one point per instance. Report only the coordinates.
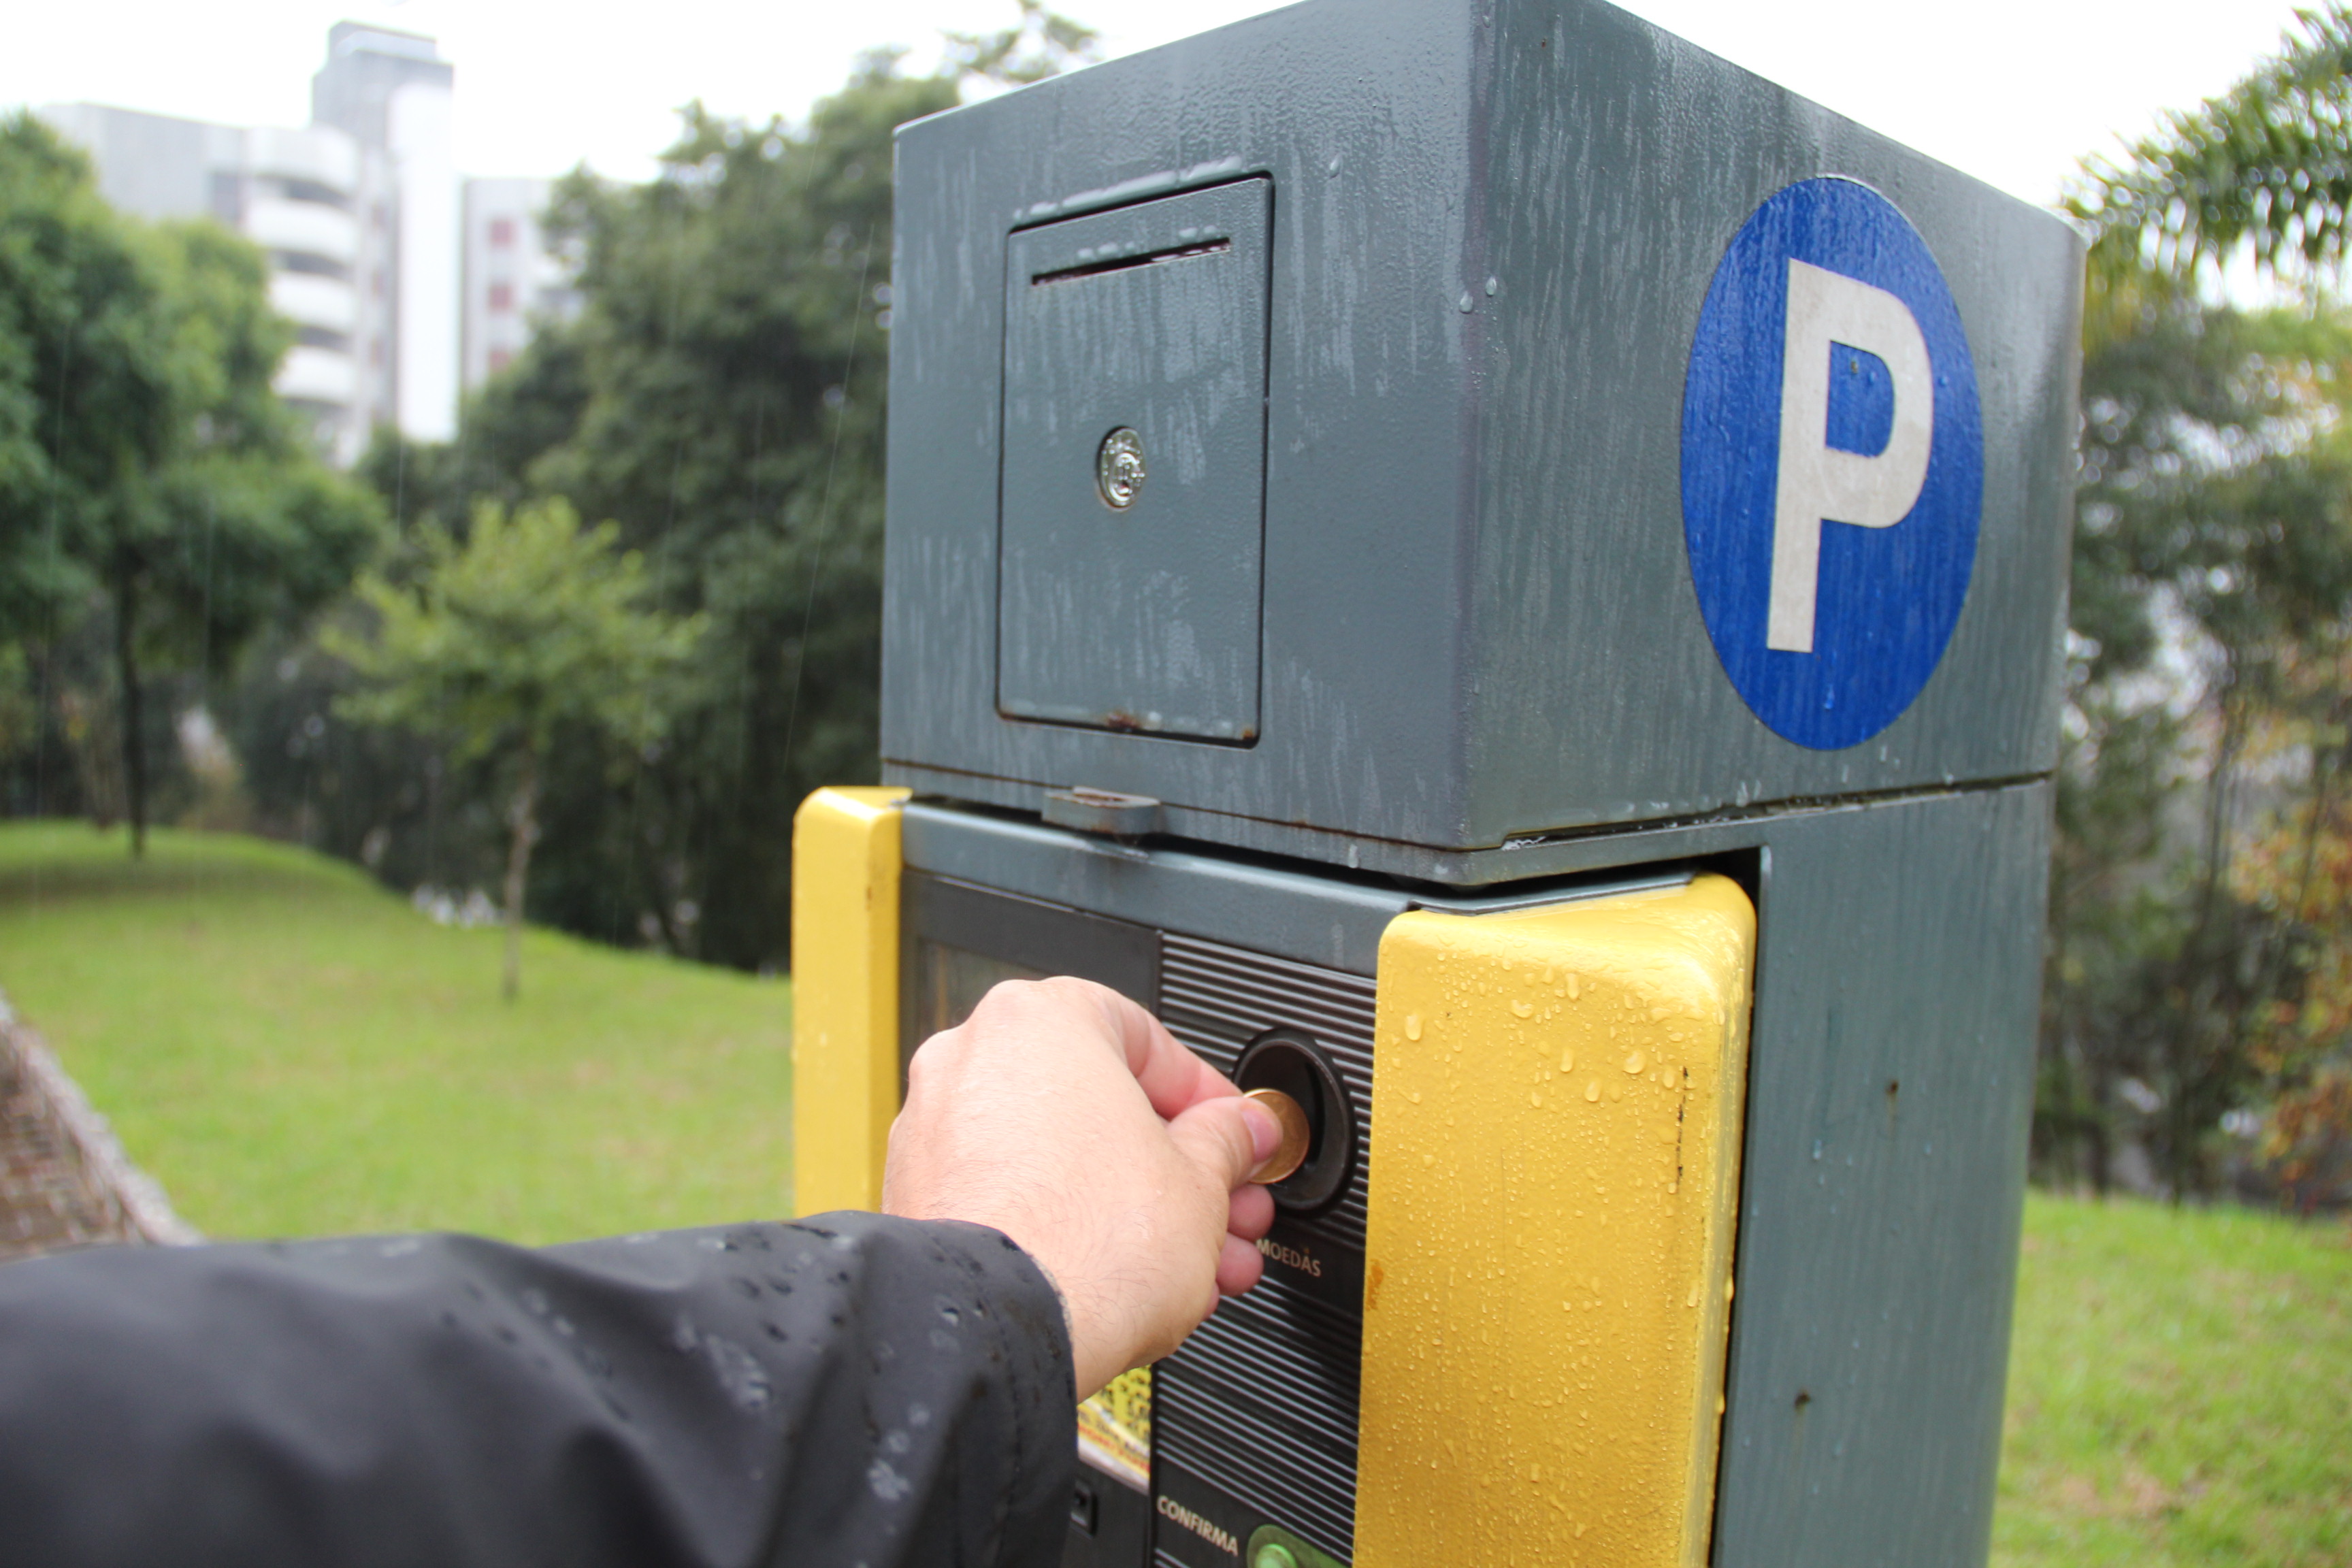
(1118, 468)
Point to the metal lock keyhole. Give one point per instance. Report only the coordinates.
(1118, 468)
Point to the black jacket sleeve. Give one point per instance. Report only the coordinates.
(848, 1390)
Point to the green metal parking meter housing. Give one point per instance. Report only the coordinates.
(1400, 302)
(1488, 557)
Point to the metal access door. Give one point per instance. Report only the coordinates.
(1133, 502)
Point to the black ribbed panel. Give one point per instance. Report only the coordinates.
(1216, 999)
(1262, 1402)
(1302, 1359)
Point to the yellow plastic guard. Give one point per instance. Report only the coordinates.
(1554, 1181)
(845, 995)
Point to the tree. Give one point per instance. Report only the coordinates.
(733, 348)
(2213, 579)
(237, 525)
(82, 397)
(1042, 44)
(2297, 873)
(720, 397)
(527, 626)
(734, 342)
(165, 477)
(2263, 166)
(2211, 547)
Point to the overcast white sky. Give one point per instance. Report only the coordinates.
(2011, 91)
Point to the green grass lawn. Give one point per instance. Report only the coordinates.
(291, 1050)
(2179, 1390)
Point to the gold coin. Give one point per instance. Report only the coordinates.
(1291, 1151)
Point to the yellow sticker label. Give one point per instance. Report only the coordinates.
(1114, 1429)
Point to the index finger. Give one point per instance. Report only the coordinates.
(1171, 1077)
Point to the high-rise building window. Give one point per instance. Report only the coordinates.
(228, 198)
(310, 263)
(299, 190)
(501, 298)
(502, 234)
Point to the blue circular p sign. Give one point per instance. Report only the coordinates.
(1833, 463)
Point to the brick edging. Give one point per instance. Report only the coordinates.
(93, 1192)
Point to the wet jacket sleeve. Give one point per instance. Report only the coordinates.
(847, 1390)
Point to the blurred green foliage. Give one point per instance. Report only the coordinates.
(2213, 591)
(529, 626)
(719, 401)
(150, 477)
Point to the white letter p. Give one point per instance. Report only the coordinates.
(1819, 483)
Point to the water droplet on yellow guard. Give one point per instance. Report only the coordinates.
(1567, 1059)
(1571, 986)
(1592, 1090)
(1523, 1009)
(1429, 1159)
(1535, 1097)
(1412, 1025)
(1616, 1095)
(1634, 1063)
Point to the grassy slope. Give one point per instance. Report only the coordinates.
(2180, 1391)
(290, 1050)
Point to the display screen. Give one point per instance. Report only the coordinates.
(961, 940)
(949, 982)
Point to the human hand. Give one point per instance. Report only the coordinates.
(1061, 1114)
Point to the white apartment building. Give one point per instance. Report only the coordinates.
(298, 194)
(405, 286)
(392, 92)
(513, 280)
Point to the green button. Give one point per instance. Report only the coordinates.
(1271, 1546)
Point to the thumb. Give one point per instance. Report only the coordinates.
(1227, 1137)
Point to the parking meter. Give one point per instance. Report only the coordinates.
(1506, 578)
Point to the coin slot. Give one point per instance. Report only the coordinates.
(1128, 263)
(1291, 1061)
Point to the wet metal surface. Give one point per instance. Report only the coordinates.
(1492, 231)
